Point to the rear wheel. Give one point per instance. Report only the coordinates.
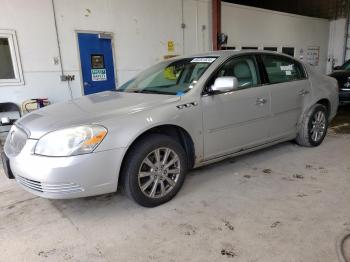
(154, 170)
(313, 128)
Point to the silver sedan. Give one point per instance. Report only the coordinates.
(177, 115)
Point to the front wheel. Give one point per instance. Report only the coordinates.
(154, 170)
(313, 127)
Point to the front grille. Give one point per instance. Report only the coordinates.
(15, 141)
(341, 83)
(60, 188)
(34, 185)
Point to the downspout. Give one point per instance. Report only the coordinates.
(216, 23)
(59, 50)
(183, 26)
(197, 38)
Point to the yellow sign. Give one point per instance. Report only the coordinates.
(169, 73)
(171, 46)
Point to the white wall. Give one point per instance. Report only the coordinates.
(336, 42)
(34, 26)
(248, 26)
(141, 29)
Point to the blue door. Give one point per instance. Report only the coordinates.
(97, 65)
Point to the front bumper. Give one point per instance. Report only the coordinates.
(344, 95)
(66, 177)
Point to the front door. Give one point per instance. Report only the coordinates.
(96, 58)
(240, 119)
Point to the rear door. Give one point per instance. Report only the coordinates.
(289, 87)
(239, 119)
(97, 65)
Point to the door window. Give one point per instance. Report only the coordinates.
(243, 68)
(282, 69)
(97, 62)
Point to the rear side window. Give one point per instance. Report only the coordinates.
(282, 69)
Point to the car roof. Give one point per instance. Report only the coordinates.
(225, 53)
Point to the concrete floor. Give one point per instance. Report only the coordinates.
(285, 203)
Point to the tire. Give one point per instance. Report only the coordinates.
(306, 134)
(137, 171)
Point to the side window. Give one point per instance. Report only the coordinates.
(243, 68)
(10, 68)
(228, 48)
(288, 51)
(249, 48)
(271, 48)
(282, 69)
(6, 67)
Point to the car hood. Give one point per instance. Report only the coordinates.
(89, 109)
(340, 74)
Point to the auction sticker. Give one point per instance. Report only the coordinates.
(203, 60)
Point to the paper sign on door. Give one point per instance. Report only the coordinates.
(98, 75)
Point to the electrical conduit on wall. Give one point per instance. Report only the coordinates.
(59, 49)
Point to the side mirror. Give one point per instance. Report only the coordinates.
(224, 84)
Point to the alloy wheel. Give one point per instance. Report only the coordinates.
(159, 172)
(318, 126)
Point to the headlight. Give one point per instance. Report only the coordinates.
(71, 141)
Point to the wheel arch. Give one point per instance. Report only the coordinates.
(322, 101)
(325, 102)
(174, 131)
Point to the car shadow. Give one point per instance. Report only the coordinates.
(341, 123)
(195, 180)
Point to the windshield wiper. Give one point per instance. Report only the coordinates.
(155, 92)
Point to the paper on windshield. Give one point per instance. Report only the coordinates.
(204, 60)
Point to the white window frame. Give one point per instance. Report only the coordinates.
(16, 61)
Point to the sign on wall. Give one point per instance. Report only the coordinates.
(98, 74)
(313, 55)
(171, 46)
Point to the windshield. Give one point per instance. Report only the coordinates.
(171, 78)
(346, 66)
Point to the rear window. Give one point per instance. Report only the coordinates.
(282, 69)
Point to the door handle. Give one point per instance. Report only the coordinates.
(304, 92)
(261, 101)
